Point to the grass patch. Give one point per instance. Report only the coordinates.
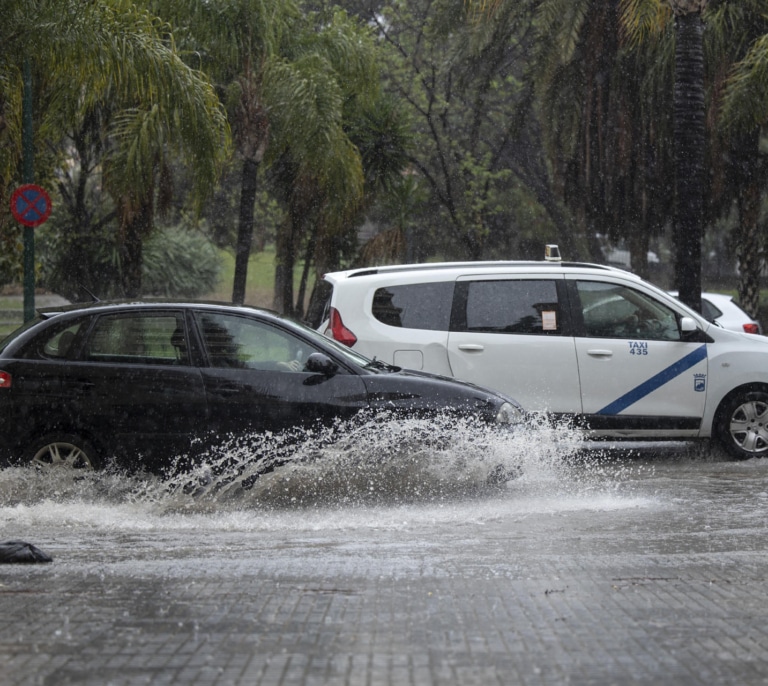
(259, 288)
(260, 282)
(10, 304)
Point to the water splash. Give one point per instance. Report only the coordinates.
(368, 460)
(374, 460)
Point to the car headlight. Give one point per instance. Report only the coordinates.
(509, 414)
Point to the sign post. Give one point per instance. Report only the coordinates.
(28, 177)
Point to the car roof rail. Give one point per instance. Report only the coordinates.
(435, 266)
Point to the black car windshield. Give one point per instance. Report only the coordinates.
(342, 350)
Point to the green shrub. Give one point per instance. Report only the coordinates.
(177, 262)
(180, 263)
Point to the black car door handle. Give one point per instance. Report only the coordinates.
(228, 390)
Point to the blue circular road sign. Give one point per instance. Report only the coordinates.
(30, 205)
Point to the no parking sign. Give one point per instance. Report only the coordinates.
(30, 205)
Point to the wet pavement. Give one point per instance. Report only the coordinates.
(641, 569)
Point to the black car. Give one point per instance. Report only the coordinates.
(142, 382)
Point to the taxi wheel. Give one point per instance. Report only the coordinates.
(743, 425)
(62, 451)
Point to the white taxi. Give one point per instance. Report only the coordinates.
(620, 356)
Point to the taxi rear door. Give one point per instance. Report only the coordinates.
(512, 333)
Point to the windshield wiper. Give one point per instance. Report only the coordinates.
(379, 364)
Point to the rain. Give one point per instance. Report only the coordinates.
(245, 154)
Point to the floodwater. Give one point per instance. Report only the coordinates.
(390, 552)
(372, 474)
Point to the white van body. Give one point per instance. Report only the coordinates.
(619, 355)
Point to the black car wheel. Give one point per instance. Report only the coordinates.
(63, 450)
(742, 425)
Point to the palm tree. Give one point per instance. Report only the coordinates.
(245, 45)
(690, 142)
(289, 81)
(118, 57)
(603, 107)
(638, 17)
(239, 43)
(181, 115)
(738, 34)
(743, 116)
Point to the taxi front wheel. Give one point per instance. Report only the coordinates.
(742, 425)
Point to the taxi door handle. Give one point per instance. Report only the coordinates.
(600, 353)
(472, 347)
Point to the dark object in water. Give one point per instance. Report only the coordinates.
(19, 552)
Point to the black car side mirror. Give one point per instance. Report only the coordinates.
(318, 363)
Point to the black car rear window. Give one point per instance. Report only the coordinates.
(15, 334)
(415, 306)
(138, 338)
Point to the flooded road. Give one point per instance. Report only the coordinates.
(639, 566)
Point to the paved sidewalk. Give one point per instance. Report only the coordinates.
(664, 581)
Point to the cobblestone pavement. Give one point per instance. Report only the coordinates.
(647, 573)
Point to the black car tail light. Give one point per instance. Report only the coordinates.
(340, 332)
(5, 379)
(751, 328)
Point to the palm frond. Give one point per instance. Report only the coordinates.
(644, 20)
(745, 102)
(561, 21)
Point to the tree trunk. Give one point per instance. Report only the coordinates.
(134, 230)
(244, 228)
(285, 259)
(302, 295)
(749, 183)
(639, 243)
(325, 256)
(690, 141)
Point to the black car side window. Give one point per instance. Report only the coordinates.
(151, 338)
(61, 345)
(245, 343)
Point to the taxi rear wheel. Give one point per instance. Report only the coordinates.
(743, 425)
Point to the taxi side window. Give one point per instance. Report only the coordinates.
(511, 306)
(612, 311)
(414, 306)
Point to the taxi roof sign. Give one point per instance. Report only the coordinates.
(552, 253)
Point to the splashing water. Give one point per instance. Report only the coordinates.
(371, 461)
(376, 459)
